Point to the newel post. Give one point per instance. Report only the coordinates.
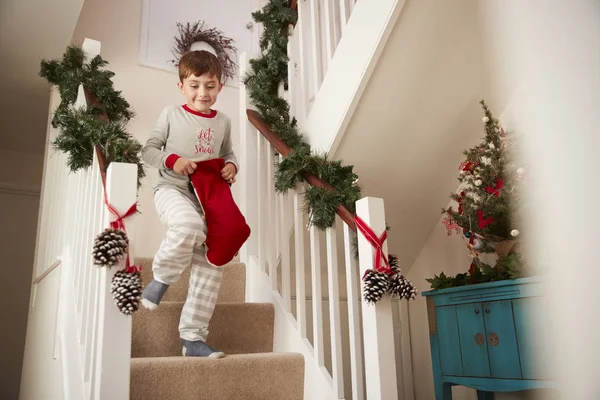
(114, 328)
(378, 327)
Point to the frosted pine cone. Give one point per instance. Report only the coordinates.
(376, 284)
(110, 247)
(126, 289)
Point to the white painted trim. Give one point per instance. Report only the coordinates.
(20, 189)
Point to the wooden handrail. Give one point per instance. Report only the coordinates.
(259, 123)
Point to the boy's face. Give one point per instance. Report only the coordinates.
(200, 91)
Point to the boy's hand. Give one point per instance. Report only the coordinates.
(183, 166)
(228, 172)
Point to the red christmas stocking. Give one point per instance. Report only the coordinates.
(226, 226)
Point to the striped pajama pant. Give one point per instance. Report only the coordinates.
(182, 246)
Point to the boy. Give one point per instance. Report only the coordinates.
(184, 135)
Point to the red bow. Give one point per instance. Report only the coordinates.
(495, 191)
(377, 243)
(119, 224)
(483, 222)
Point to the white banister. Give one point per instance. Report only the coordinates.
(334, 313)
(284, 243)
(93, 337)
(317, 303)
(378, 326)
(315, 55)
(354, 299)
(300, 263)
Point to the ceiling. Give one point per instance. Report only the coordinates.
(30, 30)
(418, 113)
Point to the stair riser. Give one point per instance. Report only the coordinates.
(259, 377)
(235, 328)
(233, 284)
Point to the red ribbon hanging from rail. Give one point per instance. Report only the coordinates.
(119, 223)
(377, 243)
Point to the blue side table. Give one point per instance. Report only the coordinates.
(489, 337)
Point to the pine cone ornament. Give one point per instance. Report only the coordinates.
(376, 284)
(402, 288)
(126, 289)
(110, 247)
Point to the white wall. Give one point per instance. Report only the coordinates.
(547, 106)
(116, 24)
(548, 51)
(20, 176)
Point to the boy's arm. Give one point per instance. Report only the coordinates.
(152, 153)
(227, 148)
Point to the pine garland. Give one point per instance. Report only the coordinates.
(82, 129)
(267, 73)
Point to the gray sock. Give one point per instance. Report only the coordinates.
(153, 293)
(200, 349)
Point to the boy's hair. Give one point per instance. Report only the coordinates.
(199, 62)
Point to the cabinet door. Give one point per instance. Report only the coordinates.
(448, 340)
(502, 340)
(533, 333)
(472, 340)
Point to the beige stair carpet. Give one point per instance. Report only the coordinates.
(244, 331)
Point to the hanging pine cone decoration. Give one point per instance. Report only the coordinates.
(376, 284)
(110, 247)
(400, 286)
(126, 289)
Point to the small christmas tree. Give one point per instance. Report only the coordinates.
(487, 201)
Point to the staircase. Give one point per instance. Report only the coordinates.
(244, 331)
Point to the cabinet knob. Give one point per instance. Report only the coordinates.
(477, 311)
(487, 310)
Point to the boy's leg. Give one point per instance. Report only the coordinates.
(205, 282)
(185, 230)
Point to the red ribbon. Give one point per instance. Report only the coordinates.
(119, 224)
(377, 243)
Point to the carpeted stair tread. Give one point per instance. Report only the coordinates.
(233, 284)
(264, 376)
(235, 328)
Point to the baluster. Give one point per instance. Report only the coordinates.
(334, 313)
(262, 200)
(286, 291)
(303, 45)
(329, 31)
(344, 15)
(91, 281)
(315, 58)
(353, 295)
(300, 264)
(75, 239)
(317, 297)
(272, 218)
